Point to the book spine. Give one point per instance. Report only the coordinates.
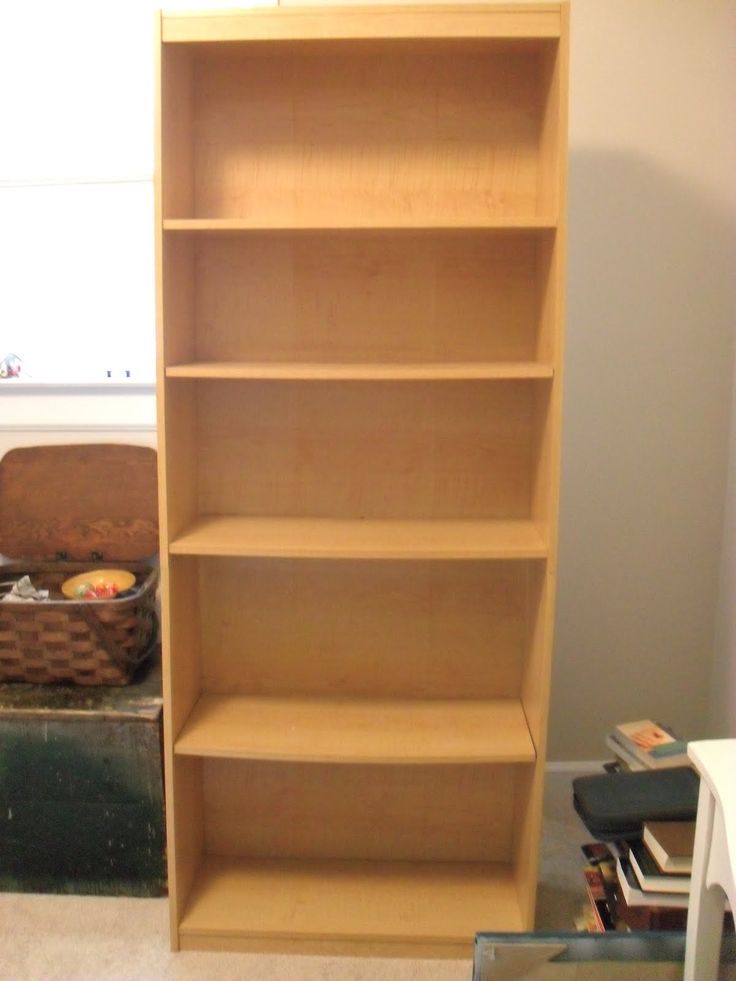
(598, 901)
(628, 759)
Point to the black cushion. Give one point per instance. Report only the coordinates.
(615, 805)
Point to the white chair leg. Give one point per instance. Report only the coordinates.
(706, 905)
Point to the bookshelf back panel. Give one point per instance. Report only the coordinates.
(285, 810)
(381, 629)
(298, 132)
(385, 297)
(178, 293)
(378, 449)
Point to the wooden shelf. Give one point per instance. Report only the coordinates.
(357, 539)
(298, 371)
(357, 730)
(374, 906)
(504, 22)
(292, 224)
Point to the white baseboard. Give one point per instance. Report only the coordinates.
(574, 766)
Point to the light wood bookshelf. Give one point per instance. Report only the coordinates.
(360, 269)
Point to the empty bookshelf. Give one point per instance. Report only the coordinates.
(360, 227)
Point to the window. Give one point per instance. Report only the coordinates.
(76, 223)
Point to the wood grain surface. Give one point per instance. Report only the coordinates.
(88, 501)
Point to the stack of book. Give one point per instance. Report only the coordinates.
(646, 745)
(653, 876)
(642, 884)
(599, 871)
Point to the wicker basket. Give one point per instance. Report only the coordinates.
(82, 642)
(66, 510)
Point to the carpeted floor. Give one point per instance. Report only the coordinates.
(84, 938)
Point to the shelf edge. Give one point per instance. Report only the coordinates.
(242, 225)
(358, 372)
(507, 22)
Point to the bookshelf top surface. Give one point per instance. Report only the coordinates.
(359, 371)
(471, 21)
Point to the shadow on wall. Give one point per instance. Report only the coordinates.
(649, 367)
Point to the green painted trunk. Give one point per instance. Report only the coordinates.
(81, 792)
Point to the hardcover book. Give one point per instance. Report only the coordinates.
(652, 744)
(671, 844)
(635, 895)
(650, 876)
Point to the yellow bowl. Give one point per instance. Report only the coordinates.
(120, 578)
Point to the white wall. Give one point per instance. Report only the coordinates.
(76, 187)
(76, 219)
(35, 417)
(76, 211)
(652, 215)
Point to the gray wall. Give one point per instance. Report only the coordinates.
(723, 696)
(652, 225)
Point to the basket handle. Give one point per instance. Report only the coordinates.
(98, 629)
(124, 663)
(149, 633)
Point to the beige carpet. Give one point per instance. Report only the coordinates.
(90, 938)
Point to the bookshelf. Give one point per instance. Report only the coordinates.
(360, 229)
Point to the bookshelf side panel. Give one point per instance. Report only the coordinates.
(177, 175)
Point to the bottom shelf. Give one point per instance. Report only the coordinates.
(331, 906)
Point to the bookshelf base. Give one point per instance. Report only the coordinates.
(241, 944)
(347, 907)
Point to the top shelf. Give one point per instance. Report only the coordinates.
(295, 371)
(361, 119)
(499, 22)
(286, 223)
